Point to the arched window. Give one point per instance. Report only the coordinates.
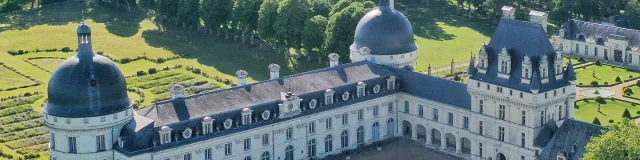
(247, 158)
(360, 135)
(375, 131)
(265, 156)
(311, 148)
(328, 144)
(288, 153)
(344, 139)
(390, 127)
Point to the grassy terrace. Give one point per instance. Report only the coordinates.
(603, 74)
(610, 110)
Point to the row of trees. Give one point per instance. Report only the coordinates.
(317, 26)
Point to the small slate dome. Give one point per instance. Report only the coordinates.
(84, 29)
(384, 31)
(86, 85)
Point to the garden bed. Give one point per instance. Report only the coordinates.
(611, 110)
(605, 75)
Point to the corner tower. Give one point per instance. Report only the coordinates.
(88, 104)
(384, 36)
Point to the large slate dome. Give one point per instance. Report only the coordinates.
(384, 31)
(86, 85)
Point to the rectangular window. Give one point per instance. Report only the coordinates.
(421, 110)
(345, 119)
(100, 143)
(328, 99)
(555, 93)
(465, 123)
(312, 127)
(524, 117)
(545, 95)
(595, 51)
(501, 134)
(72, 145)
(450, 121)
(478, 84)
(502, 113)
(265, 139)
(328, 123)
(480, 128)
(577, 48)
(488, 87)
(522, 140)
(511, 92)
(115, 116)
(208, 155)
(247, 144)
(586, 50)
(68, 121)
(227, 149)
(480, 149)
(361, 115)
(435, 114)
(521, 95)
(360, 92)
(560, 112)
(246, 119)
(376, 111)
(86, 120)
(390, 107)
(406, 106)
(187, 156)
(541, 118)
(289, 133)
(563, 90)
(102, 119)
(481, 107)
(53, 141)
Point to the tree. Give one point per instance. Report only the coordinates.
(626, 114)
(148, 4)
(266, 17)
(620, 142)
(292, 14)
(167, 8)
(340, 29)
(216, 13)
(596, 121)
(188, 12)
(320, 7)
(633, 11)
(245, 16)
(342, 4)
(313, 34)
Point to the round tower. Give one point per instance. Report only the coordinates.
(384, 36)
(88, 104)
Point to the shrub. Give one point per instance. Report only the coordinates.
(618, 79)
(153, 71)
(638, 112)
(12, 52)
(100, 53)
(630, 76)
(160, 60)
(125, 60)
(140, 73)
(598, 63)
(600, 100)
(457, 78)
(581, 60)
(611, 121)
(594, 83)
(596, 121)
(196, 71)
(66, 49)
(579, 83)
(626, 114)
(628, 91)
(606, 83)
(638, 83)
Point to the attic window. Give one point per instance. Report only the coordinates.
(93, 83)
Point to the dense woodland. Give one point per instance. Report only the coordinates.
(325, 26)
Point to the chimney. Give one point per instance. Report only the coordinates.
(242, 77)
(539, 17)
(333, 59)
(274, 69)
(177, 91)
(508, 12)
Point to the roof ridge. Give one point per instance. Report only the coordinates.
(599, 24)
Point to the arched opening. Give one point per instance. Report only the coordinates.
(344, 139)
(247, 158)
(421, 133)
(311, 148)
(328, 144)
(450, 141)
(581, 38)
(406, 129)
(288, 153)
(265, 156)
(500, 156)
(435, 137)
(360, 135)
(375, 131)
(600, 41)
(391, 127)
(466, 145)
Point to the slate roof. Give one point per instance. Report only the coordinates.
(593, 31)
(545, 134)
(385, 31)
(571, 133)
(521, 39)
(433, 88)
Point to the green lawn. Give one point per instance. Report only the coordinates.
(636, 91)
(611, 110)
(11, 79)
(49, 64)
(604, 73)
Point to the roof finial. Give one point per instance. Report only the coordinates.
(83, 17)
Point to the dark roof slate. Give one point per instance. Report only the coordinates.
(571, 133)
(521, 39)
(545, 134)
(433, 88)
(593, 31)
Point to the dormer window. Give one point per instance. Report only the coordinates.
(557, 63)
(328, 97)
(544, 69)
(207, 125)
(376, 88)
(187, 133)
(361, 89)
(391, 81)
(484, 59)
(505, 64)
(228, 123)
(527, 70)
(345, 96)
(246, 116)
(165, 135)
(313, 103)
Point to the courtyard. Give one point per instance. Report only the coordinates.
(396, 149)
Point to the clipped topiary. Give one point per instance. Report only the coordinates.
(594, 83)
(611, 121)
(596, 121)
(628, 91)
(618, 79)
(581, 60)
(600, 100)
(626, 114)
(598, 63)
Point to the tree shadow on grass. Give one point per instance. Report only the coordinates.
(118, 22)
(225, 56)
(424, 19)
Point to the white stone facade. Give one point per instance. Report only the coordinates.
(612, 51)
(397, 60)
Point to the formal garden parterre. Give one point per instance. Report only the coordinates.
(608, 111)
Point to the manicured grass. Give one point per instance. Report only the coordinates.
(604, 73)
(636, 91)
(49, 64)
(441, 34)
(611, 110)
(11, 79)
